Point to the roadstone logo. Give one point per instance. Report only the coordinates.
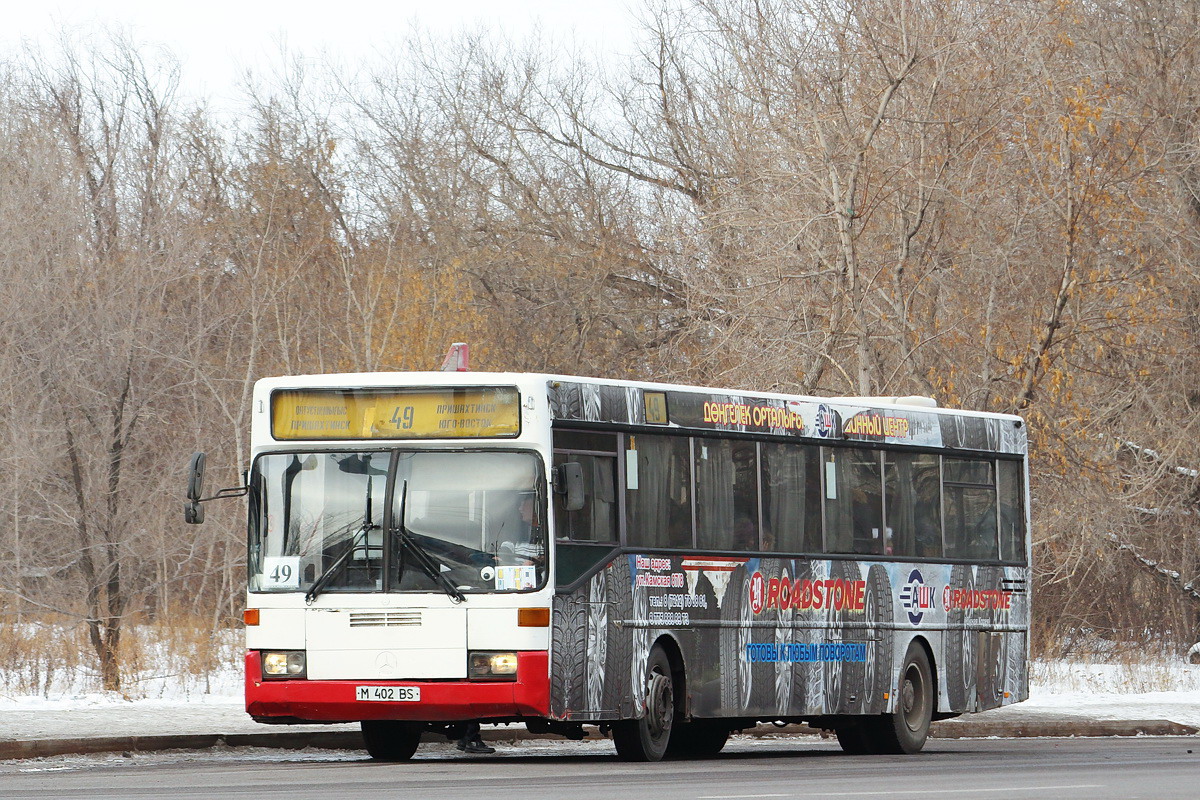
(804, 594)
(758, 594)
(916, 598)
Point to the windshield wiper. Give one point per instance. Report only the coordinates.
(334, 569)
(421, 556)
(340, 562)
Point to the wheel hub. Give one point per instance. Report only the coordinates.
(908, 697)
(660, 706)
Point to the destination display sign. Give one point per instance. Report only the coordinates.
(450, 413)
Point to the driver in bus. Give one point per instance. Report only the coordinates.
(517, 545)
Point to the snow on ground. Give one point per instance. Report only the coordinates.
(1106, 691)
(1114, 690)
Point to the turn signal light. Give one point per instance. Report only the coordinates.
(533, 617)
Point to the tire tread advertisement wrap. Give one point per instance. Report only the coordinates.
(771, 637)
(766, 628)
(570, 658)
(881, 634)
(737, 674)
(618, 664)
(597, 638)
(992, 662)
(844, 679)
(959, 657)
(1017, 683)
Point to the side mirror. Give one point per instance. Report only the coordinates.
(195, 487)
(193, 512)
(569, 482)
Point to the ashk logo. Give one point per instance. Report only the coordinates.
(916, 598)
(826, 422)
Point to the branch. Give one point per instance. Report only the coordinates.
(1154, 568)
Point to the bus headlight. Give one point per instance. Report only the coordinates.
(283, 664)
(491, 666)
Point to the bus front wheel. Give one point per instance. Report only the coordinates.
(646, 739)
(391, 740)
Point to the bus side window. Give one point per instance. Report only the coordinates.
(1011, 491)
(914, 504)
(791, 489)
(853, 501)
(969, 502)
(597, 520)
(658, 483)
(726, 494)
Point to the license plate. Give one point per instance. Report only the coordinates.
(388, 694)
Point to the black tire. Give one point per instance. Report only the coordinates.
(906, 730)
(596, 641)
(697, 740)
(854, 739)
(647, 738)
(773, 686)
(391, 740)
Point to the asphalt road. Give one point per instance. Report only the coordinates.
(1095, 769)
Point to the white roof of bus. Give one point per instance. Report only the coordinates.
(348, 380)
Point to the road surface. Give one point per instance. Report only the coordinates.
(800, 767)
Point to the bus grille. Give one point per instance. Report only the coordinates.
(384, 619)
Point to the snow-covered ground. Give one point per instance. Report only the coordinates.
(167, 705)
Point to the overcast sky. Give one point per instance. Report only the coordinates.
(216, 40)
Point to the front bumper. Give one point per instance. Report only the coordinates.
(288, 701)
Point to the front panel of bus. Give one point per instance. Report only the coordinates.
(398, 556)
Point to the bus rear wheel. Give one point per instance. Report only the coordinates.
(391, 740)
(906, 730)
(646, 739)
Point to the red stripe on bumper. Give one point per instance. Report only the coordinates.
(441, 701)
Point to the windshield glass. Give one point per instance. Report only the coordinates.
(442, 522)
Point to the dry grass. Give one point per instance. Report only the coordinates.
(49, 656)
(39, 657)
(1125, 671)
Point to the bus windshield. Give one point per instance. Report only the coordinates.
(459, 522)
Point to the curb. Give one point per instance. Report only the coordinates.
(962, 729)
(12, 749)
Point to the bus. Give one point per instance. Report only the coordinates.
(667, 564)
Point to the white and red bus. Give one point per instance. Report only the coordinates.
(669, 563)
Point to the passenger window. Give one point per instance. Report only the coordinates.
(726, 494)
(914, 504)
(969, 504)
(853, 501)
(791, 488)
(658, 491)
(1011, 490)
